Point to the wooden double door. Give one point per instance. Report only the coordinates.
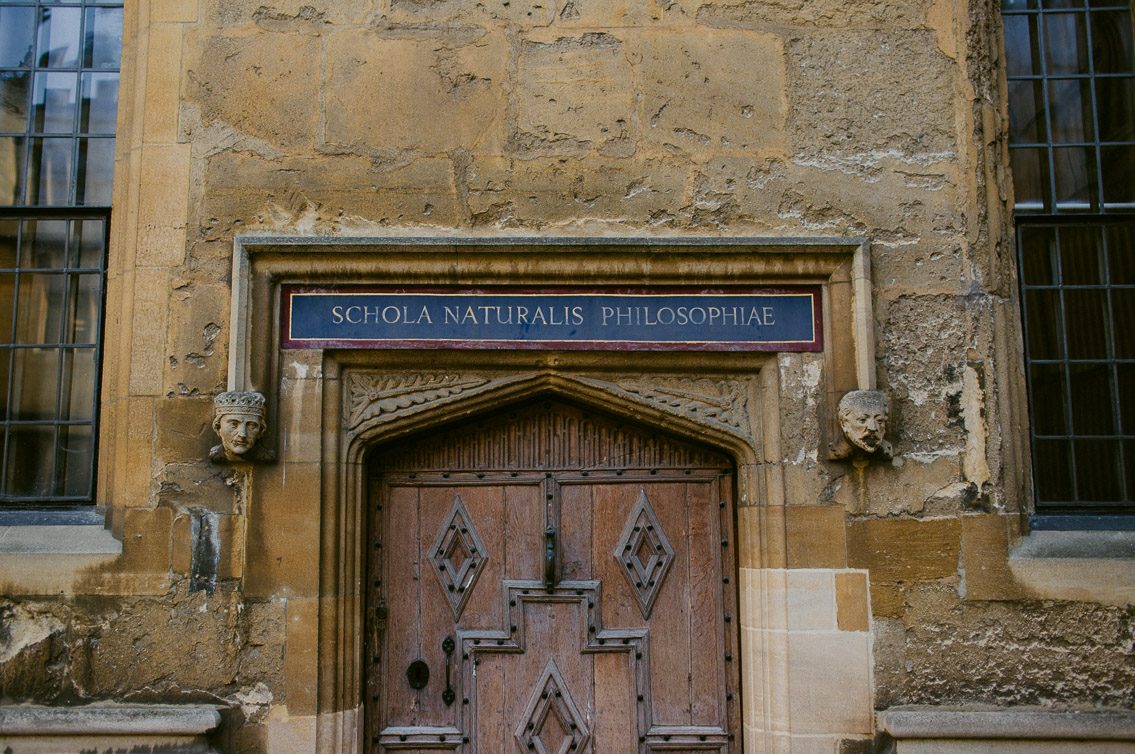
(551, 581)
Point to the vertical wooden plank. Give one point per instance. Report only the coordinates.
(575, 531)
(523, 530)
(670, 619)
(437, 611)
(707, 645)
(493, 735)
(614, 729)
(485, 505)
(611, 506)
(402, 591)
(731, 607)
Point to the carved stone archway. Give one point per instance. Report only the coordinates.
(343, 402)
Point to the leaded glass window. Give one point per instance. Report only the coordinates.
(1071, 74)
(59, 71)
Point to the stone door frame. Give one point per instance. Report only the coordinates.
(729, 401)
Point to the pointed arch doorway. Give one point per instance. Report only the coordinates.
(548, 578)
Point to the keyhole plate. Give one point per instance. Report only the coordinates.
(418, 674)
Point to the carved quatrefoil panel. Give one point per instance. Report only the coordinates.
(644, 553)
(458, 556)
(552, 723)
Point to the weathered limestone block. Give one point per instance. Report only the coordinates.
(712, 92)
(904, 549)
(534, 192)
(848, 14)
(516, 14)
(1013, 653)
(861, 95)
(573, 96)
(430, 93)
(925, 340)
(324, 193)
(198, 333)
(903, 486)
(286, 14)
(278, 74)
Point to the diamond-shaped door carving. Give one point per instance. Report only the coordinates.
(458, 556)
(552, 723)
(644, 553)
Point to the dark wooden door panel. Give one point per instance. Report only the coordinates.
(629, 650)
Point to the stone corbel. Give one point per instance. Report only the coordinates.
(863, 426)
(239, 419)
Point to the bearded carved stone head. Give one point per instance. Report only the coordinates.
(863, 423)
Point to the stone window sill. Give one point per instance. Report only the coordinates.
(1097, 566)
(46, 552)
(106, 727)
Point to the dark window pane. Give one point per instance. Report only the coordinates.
(35, 381)
(1045, 324)
(54, 101)
(1070, 101)
(1030, 176)
(78, 393)
(1018, 4)
(1049, 398)
(1097, 471)
(1115, 98)
(1118, 182)
(1054, 4)
(84, 300)
(16, 37)
(1112, 51)
(31, 450)
(100, 103)
(5, 365)
(1038, 254)
(1066, 43)
(87, 239)
(1081, 255)
(96, 172)
(1052, 466)
(44, 244)
(1093, 412)
(58, 44)
(9, 240)
(49, 172)
(104, 38)
(1121, 254)
(1126, 373)
(1088, 324)
(11, 169)
(74, 461)
(1123, 312)
(1026, 112)
(14, 100)
(7, 294)
(41, 307)
(1075, 172)
(1020, 45)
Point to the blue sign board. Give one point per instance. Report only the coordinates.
(720, 319)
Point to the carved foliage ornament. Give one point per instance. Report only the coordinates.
(719, 401)
(240, 420)
(372, 396)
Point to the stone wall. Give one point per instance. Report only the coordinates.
(871, 118)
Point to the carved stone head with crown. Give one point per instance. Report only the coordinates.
(239, 419)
